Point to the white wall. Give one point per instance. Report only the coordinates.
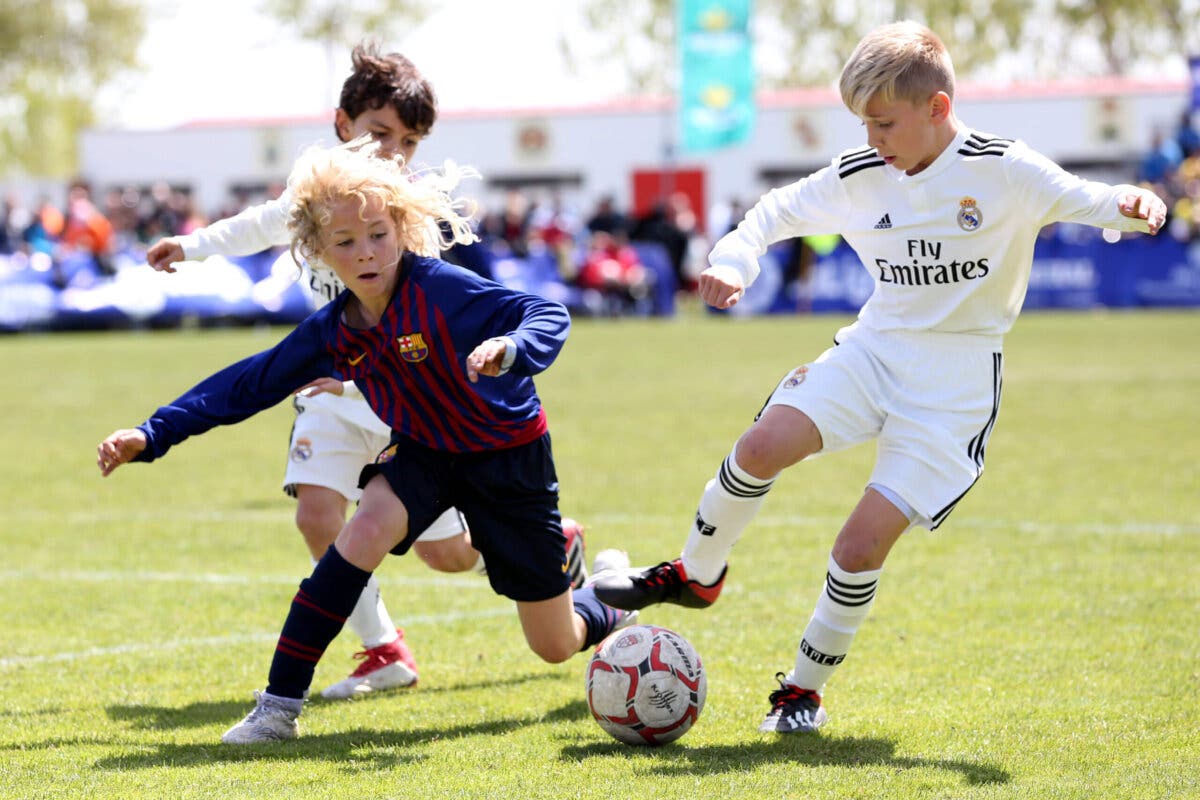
(1100, 121)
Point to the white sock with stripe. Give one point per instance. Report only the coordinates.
(728, 504)
(843, 605)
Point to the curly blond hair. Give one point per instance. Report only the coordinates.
(427, 219)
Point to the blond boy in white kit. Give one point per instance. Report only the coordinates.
(945, 219)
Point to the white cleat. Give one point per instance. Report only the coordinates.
(272, 720)
(389, 666)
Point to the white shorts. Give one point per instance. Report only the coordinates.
(333, 438)
(929, 399)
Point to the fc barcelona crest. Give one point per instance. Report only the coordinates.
(412, 347)
(969, 215)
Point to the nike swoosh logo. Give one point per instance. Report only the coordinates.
(355, 361)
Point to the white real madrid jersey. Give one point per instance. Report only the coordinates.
(950, 248)
(256, 229)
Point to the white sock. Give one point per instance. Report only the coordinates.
(728, 504)
(843, 605)
(370, 620)
(480, 567)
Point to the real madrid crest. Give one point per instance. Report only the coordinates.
(796, 378)
(969, 215)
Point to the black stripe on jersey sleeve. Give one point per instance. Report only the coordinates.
(975, 140)
(848, 171)
(990, 151)
(977, 145)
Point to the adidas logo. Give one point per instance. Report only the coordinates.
(884, 223)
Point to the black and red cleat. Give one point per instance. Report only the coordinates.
(666, 583)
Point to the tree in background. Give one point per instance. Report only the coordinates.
(804, 43)
(55, 57)
(339, 25)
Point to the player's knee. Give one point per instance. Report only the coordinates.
(366, 541)
(448, 555)
(759, 454)
(318, 525)
(553, 651)
(780, 438)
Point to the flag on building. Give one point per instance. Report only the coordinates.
(716, 65)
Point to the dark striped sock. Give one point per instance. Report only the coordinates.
(599, 618)
(318, 612)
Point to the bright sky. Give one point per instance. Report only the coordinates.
(219, 59)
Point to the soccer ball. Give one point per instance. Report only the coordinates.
(646, 685)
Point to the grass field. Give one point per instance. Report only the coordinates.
(1042, 644)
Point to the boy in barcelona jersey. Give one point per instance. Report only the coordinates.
(446, 359)
(944, 218)
(335, 432)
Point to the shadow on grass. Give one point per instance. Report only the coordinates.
(358, 749)
(197, 715)
(811, 751)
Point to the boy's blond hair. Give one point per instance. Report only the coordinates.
(901, 61)
(427, 219)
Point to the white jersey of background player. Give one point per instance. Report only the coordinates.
(945, 219)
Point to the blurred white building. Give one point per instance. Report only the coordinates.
(1097, 128)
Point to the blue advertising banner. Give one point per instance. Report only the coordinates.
(1194, 68)
(716, 73)
(1072, 268)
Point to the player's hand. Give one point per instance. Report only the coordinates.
(721, 287)
(486, 359)
(321, 386)
(1144, 204)
(163, 253)
(120, 446)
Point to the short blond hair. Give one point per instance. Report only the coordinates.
(900, 61)
(427, 219)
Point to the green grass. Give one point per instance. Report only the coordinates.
(1042, 644)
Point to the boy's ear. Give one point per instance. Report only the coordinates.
(939, 107)
(341, 124)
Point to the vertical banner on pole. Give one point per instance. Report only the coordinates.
(1194, 68)
(716, 86)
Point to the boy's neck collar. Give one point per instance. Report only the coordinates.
(947, 138)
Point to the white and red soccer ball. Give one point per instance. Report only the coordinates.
(646, 685)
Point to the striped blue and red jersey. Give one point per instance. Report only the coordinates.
(411, 367)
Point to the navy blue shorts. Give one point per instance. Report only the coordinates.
(509, 498)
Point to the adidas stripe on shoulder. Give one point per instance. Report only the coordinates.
(854, 161)
(982, 144)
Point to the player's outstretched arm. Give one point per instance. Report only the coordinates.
(1144, 204)
(721, 286)
(163, 253)
(120, 447)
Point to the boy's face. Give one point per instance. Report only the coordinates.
(384, 126)
(906, 134)
(360, 245)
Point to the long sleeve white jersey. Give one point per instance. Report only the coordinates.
(252, 231)
(950, 248)
(258, 228)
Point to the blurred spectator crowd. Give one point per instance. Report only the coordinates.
(614, 262)
(1171, 167)
(600, 261)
